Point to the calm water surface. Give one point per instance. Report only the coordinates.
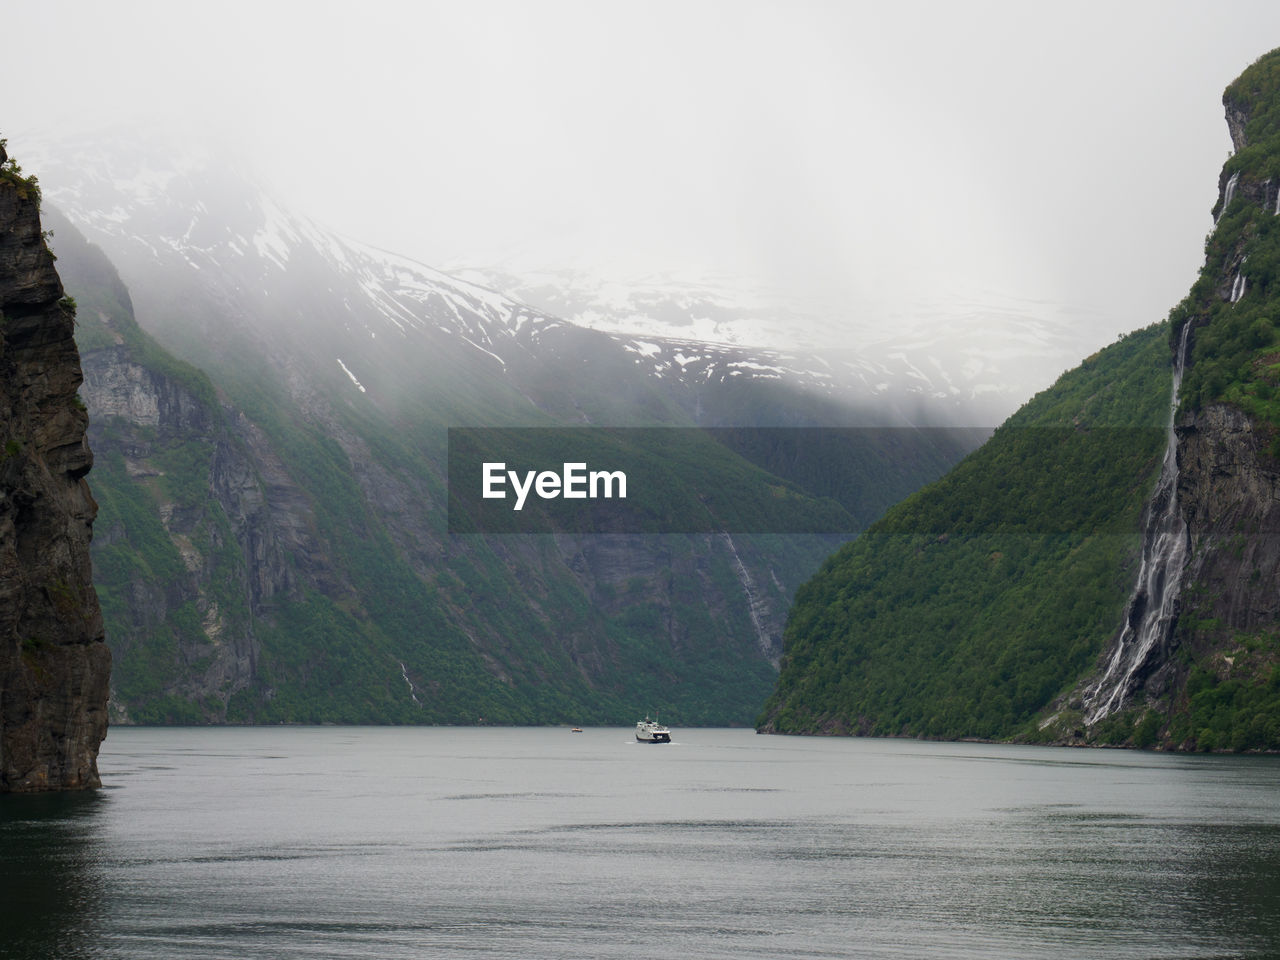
(540, 843)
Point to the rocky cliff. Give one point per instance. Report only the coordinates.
(54, 665)
(202, 530)
(1230, 486)
(1205, 672)
(1230, 474)
(1216, 684)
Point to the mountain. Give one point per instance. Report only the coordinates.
(54, 665)
(1087, 576)
(972, 603)
(270, 404)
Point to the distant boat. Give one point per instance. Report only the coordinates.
(651, 731)
(576, 730)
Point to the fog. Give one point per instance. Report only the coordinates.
(868, 163)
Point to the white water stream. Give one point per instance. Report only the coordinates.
(1150, 613)
(756, 604)
(412, 690)
(1228, 194)
(1237, 287)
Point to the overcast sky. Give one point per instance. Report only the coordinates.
(847, 154)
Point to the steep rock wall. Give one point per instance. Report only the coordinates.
(1215, 683)
(236, 523)
(1231, 490)
(54, 664)
(1230, 607)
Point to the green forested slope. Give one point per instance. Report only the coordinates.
(971, 604)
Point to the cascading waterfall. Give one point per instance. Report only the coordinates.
(412, 690)
(1237, 287)
(756, 604)
(1149, 615)
(1227, 195)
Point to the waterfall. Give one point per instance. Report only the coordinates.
(412, 691)
(1238, 284)
(1150, 613)
(1227, 195)
(757, 605)
(1237, 287)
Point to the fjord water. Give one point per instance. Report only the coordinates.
(541, 843)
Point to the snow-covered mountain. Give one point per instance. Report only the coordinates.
(973, 358)
(159, 209)
(190, 214)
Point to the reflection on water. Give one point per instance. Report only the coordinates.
(533, 843)
(51, 893)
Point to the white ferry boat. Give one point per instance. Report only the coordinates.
(651, 731)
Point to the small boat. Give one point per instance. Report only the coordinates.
(651, 731)
(576, 730)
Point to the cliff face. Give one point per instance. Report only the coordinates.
(201, 530)
(1229, 481)
(1226, 645)
(54, 665)
(1212, 681)
(1230, 486)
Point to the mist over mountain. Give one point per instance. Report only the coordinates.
(171, 206)
(270, 403)
(968, 360)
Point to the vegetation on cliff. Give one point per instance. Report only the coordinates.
(1235, 355)
(975, 601)
(25, 186)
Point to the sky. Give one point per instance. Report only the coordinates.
(869, 160)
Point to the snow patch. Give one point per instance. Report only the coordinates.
(643, 347)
